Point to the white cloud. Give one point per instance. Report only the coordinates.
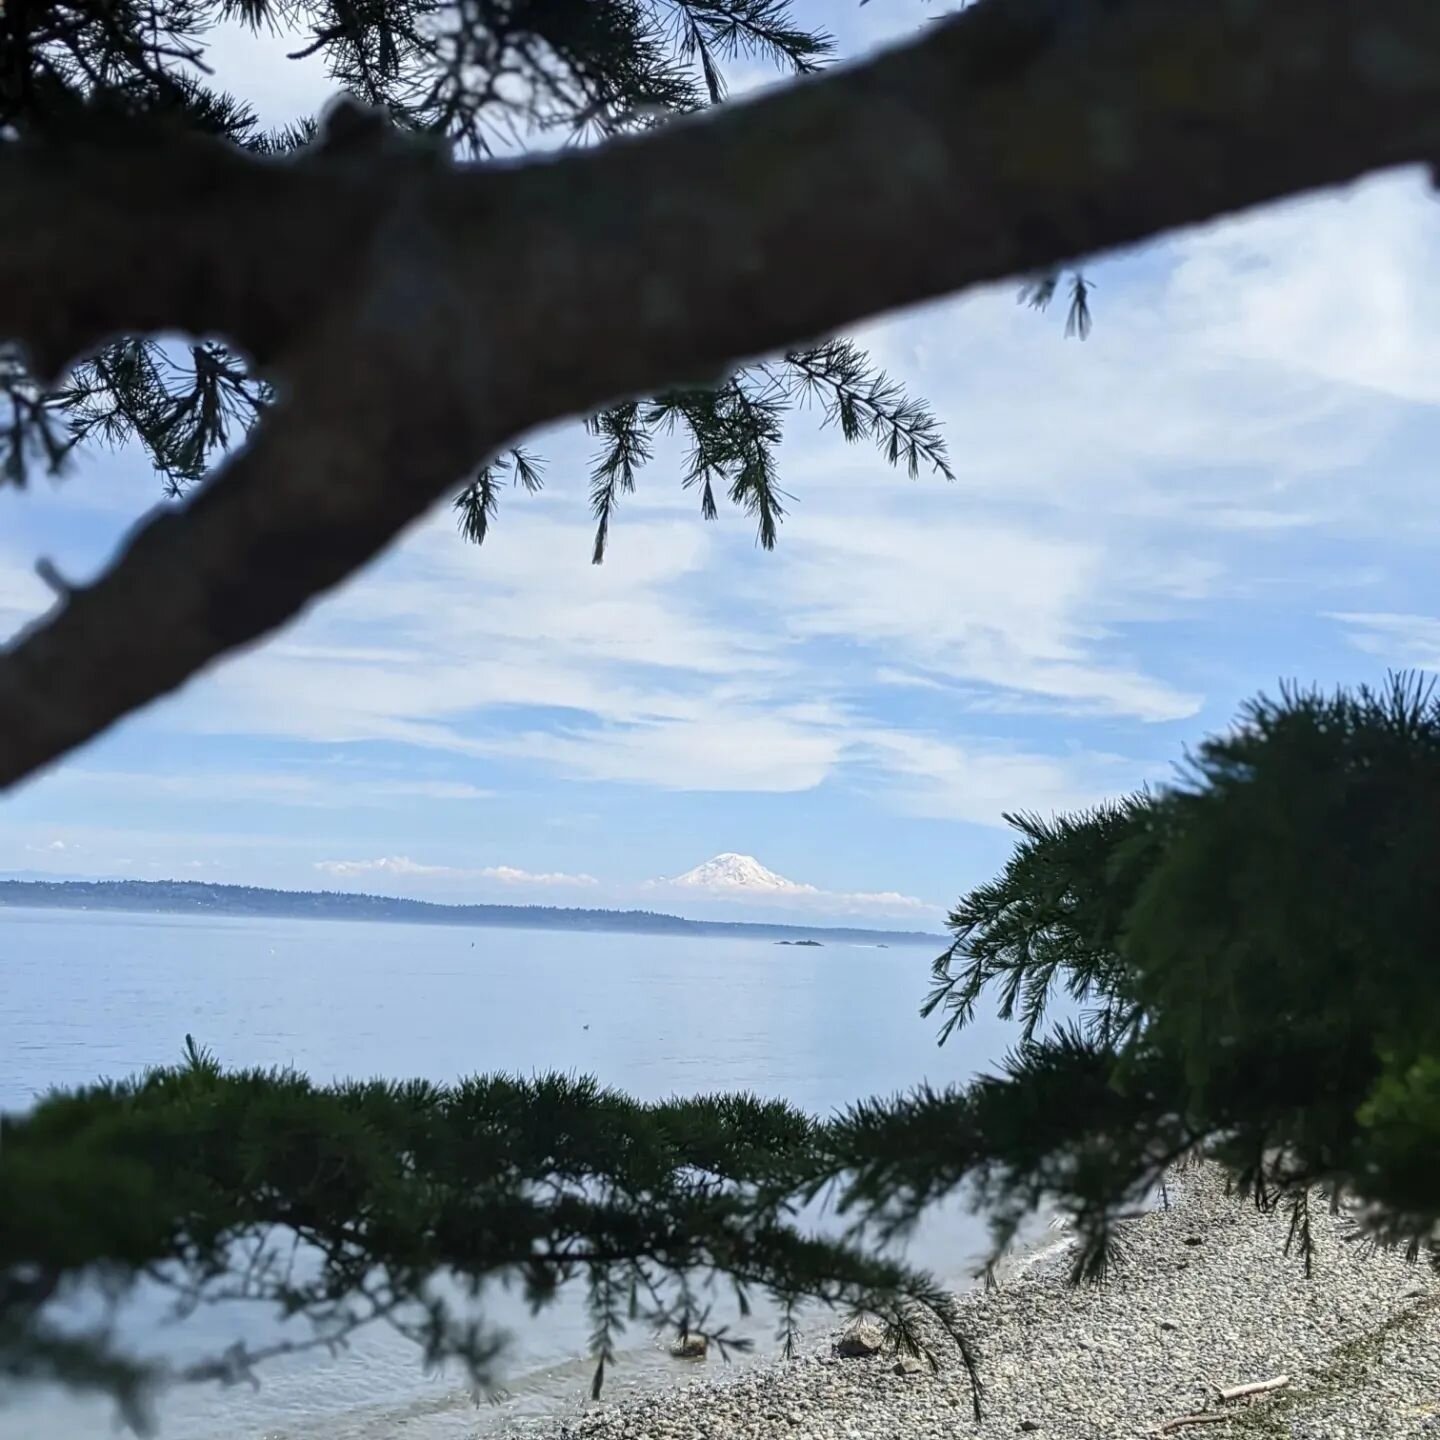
(511, 876)
(403, 867)
(981, 783)
(311, 788)
(466, 632)
(1403, 640)
(742, 749)
(1339, 287)
(386, 865)
(952, 597)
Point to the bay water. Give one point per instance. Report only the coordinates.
(85, 995)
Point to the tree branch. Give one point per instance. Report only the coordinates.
(162, 230)
(419, 317)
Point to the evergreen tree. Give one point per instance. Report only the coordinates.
(1252, 946)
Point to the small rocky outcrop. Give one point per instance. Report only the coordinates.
(860, 1341)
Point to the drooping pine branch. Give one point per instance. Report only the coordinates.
(866, 403)
(625, 448)
(1052, 920)
(29, 433)
(476, 505)
(753, 414)
(710, 30)
(183, 408)
(1038, 294)
(211, 1178)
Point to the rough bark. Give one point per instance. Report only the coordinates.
(418, 316)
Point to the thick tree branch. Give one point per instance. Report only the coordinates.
(419, 317)
(162, 230)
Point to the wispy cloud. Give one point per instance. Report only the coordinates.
(404, 868)
(1003, 607)
(981, 783)
(735, 748)
(1266, 289)
(629, 679)
(1403, 640)
(312, 787)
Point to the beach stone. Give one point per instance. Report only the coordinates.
(690, 1347)
(860, 1341)
(1105, 1362)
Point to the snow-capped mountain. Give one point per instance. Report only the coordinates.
(725, 882)
(730, 872)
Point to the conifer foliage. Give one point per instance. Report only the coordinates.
(399, 1204)
(1251, 951)
(486, 78)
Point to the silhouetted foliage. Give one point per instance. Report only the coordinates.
(490, 77)
(1255, 945)
(374, 1202)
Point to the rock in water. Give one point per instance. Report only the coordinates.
(690, 1347)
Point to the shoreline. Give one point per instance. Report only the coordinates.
(1204, 1299)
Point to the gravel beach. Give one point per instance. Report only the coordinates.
(1205, 1300)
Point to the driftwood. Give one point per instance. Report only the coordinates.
(1254, 1387)
(1203, 1417)
(1226, 1393)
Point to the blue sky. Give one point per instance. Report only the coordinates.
(1229, 484)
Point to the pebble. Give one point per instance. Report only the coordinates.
(1360, 1341)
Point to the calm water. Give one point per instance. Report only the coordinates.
(87, 996)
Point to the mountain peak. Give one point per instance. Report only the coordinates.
(729, 871)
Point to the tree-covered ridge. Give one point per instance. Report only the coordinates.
(204, 898)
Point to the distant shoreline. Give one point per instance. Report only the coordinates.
(196, 897)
